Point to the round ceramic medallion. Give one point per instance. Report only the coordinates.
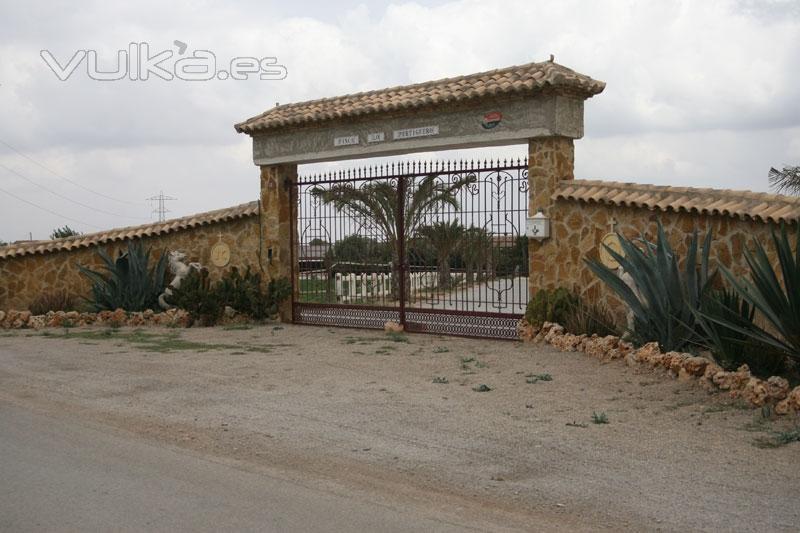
(220, 254)
(612, 241)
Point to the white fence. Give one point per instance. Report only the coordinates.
(364, 286)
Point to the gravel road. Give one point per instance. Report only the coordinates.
(357, 415)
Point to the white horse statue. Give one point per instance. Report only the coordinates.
(180, 270)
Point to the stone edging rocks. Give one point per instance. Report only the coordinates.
(741, 384)
(120, 317)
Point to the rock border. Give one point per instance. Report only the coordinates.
(740, 384)
(54, 319)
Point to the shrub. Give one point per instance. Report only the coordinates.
(734, 346)
(129, 283)
(245, 293)
(667, 299)
(197, 297)
(278, 291)
(53, 301)
(550, 306)
(62, 233)
(590, 319)
(205, 302)
(777, 302)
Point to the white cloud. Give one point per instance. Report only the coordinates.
(699, 93)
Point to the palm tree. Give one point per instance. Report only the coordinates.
(380, 203)
(476, 250)
(445, 238)
(786, 180)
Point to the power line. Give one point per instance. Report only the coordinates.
(66, 197)
(54, 173)
(48, 210)
(161, 209)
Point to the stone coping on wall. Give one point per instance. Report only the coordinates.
(762, 207)
(120, 234)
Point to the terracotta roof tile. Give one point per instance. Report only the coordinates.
(516, 80)
(737, 204)
(120, 234)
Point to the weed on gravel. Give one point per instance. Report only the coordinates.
(397, 337)
(535, 378)
(778, 439)
(599, 418)
(575, 424)
(155, 342)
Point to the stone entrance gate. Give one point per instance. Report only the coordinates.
(360, 251)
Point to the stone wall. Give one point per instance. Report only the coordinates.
(577, 228)
(23, 278)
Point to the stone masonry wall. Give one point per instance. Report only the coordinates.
(578, 227)
(23, 278)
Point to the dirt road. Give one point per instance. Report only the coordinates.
(358, 414)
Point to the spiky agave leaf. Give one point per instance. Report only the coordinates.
(779, 303)
(663, 309)
(128, 282)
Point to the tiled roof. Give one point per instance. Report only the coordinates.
(517, 80)
(121, 234)
(738, 204)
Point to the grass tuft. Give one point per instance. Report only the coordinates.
(779, 438)
(599, 418)
(535, 378)
(394, 336)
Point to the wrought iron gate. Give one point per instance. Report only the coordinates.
(439, 247)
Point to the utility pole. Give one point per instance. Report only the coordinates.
(161, 208)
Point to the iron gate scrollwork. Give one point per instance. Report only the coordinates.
(440, 247)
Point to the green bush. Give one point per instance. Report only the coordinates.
(550, 306)
(278, 291)
(129, 282)
(667, 298)
(199, 298)
(205, 302)
(245, 293)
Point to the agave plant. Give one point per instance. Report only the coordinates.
(778, 303)
(667, 298)
(727, 324)
(128, 282)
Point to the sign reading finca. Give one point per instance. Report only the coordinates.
(350, 140)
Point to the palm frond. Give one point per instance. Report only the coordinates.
(786, 180)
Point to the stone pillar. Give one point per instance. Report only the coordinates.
(278, 217)
(550, 160)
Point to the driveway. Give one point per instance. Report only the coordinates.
(309, 420)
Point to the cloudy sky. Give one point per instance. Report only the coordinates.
(701, 93)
